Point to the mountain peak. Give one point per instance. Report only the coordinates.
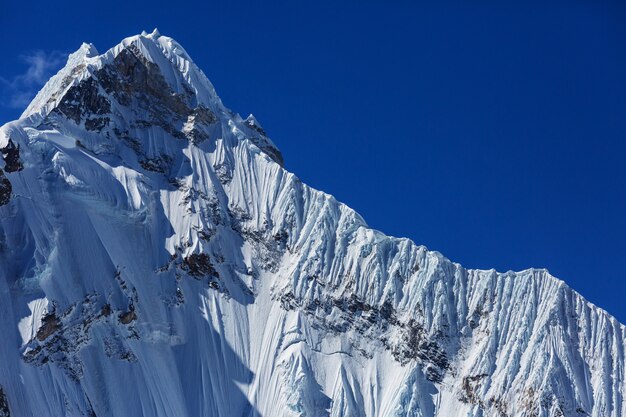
(88, 50)
(174, 65)
(146, 82)
(155, 33)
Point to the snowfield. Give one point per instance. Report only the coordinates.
(158, 260)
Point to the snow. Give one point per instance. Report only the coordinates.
(28, 325)
(297, 308)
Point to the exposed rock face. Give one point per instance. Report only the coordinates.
(11, 155)
(199, 265)
(161, 163)
(49, 324)
(260, 140)
(83, 99)
(156, 248)
(128, 316)
(5, 189)
(4, 405)
(62, 336)
(195, 128)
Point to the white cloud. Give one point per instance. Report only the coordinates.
(18, 91)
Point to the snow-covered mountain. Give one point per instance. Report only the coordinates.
(158, 260)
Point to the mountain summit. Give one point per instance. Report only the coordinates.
(158, 260)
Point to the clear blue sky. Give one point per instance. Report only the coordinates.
(495, 134)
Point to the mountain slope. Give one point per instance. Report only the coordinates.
(158, 260)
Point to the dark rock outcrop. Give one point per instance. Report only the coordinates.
(49, 324)
(128, 316)
(4, 404)
(11, 155)
(5, 189)
(83, 99)
(373, 322)
(199, 265)
(161, 163)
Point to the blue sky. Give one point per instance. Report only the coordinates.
(494, 133)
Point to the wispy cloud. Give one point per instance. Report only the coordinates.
(18, 91)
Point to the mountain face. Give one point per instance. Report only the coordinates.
(158, 260)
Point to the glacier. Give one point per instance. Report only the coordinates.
(158, 260)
